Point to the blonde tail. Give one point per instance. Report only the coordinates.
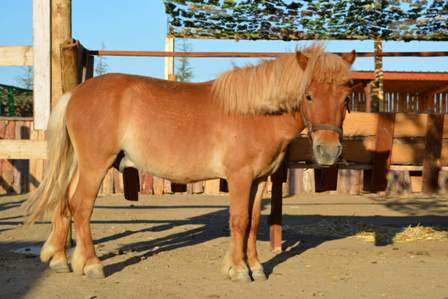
(53, 190)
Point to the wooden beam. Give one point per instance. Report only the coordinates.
(42, 60)
(16, 55)
(69, 65)
(169, 61)
(61, 31)
(249, 54)
(383, 150)
(23, 149)
(402, 76)
(433, 150)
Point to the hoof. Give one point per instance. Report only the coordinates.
(240, 276)
(59, 266)
(47, 252)
(277, 250)
(94, 271)
(258, 274)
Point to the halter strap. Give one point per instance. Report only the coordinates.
(319, 127)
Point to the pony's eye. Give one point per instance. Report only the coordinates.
(308, 98)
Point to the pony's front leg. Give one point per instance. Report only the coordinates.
(84, 260)
(255, 266)
(239, 189)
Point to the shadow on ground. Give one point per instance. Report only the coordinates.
(212, 225)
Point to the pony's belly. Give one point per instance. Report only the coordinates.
(185, 171)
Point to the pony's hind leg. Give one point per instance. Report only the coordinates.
(84, 260)
(55, 246)
(255, 266)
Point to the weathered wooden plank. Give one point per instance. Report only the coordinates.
(7, 130)
(212, 187)
(360, 124)
(61, 31)
(41, 63)
(309, 185)
(256, 54)
(383, 149)
(69, 65)
(197, 187)
(343, 183)
(275, 217)
(21, 167)
(295, 180)
(158, 185)
(118, 182)
(37, 165)
(433, 150)
(399, 182)
(108, 183)
(16, 55)
(147, 184)
(356, 181)
(169, 61)
(167, 187)
(23, 149)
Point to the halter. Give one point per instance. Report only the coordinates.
(318, 127)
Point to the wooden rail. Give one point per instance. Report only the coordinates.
(23, 149)
(248, 54)
(16, 55)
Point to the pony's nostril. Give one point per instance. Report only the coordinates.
(320, 149)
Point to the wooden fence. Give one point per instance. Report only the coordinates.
(406, 160)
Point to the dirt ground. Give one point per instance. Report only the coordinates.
(172, 247)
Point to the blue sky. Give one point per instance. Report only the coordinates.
(142, 25)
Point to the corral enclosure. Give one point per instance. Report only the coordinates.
(335, 245)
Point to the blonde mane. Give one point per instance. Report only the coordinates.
(279, 84)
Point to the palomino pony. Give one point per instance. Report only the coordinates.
(236, 127)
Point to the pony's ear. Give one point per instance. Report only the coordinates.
(302, 59)
(349, 57)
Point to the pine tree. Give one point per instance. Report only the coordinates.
(101, 67)
(184, 71)
(26, 79)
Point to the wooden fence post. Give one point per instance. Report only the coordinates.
(383, 150)
(41, 62)
(61, 31)
(433, 150)
(275, 218)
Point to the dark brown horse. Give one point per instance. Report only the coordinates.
(236, 127)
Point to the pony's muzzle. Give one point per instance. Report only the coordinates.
(326, 154)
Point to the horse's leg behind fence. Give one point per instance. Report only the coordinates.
(254, 264)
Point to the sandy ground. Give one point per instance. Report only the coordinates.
(172, 247)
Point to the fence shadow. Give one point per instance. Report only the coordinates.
(214, 225)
